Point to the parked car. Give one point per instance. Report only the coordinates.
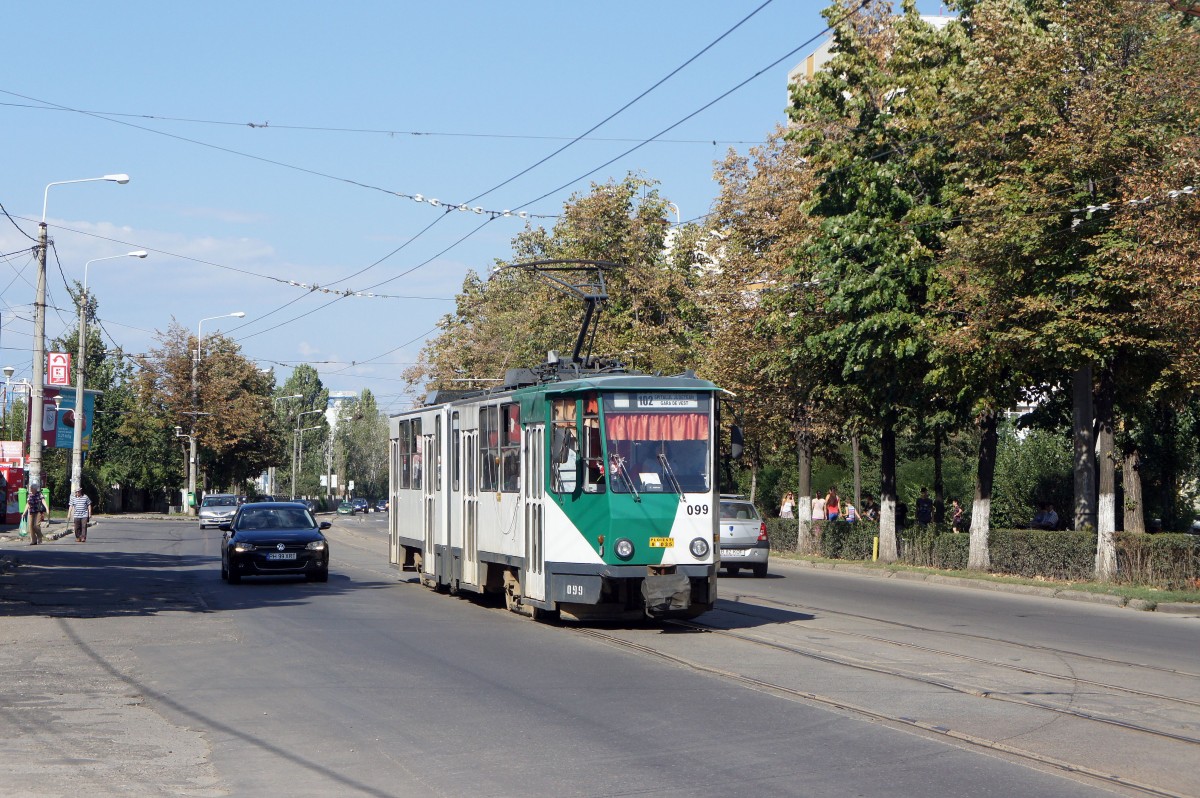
(217, 508)
(274, 539)
(744, 541)
(361, 505)
(312, 504)
(347, 508)
(381, 506)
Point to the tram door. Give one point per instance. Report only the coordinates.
(454, 520)
(470, 506)
(424, 472)
(533, 488)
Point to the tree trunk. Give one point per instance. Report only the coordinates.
(753, 481)
(939, 487)
(978, 556)
(1131, 479)
(888, 551)
(1106, 516)
(856, 451)
(1085, 449)
(806, 542)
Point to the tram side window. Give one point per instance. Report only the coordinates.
(489, 448)
(510, 447)
(437, 453)
(455, 450)
(403, 452)
(564, 445)
(416, 453)
(593, 454)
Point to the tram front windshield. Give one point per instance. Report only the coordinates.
(658, 442)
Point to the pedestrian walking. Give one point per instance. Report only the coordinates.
(81, 514)
(924, 508)
(35, 513)
(832, 504)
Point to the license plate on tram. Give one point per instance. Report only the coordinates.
(662, 543)
(281, 555)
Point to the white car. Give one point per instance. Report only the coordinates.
(744, 541)
(217, 509)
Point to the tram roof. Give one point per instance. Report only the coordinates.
(531, 395)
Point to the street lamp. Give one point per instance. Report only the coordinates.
(80, 369)
(39, 336)
(298, 431)
(195, 369)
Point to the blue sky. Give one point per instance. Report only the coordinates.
(267, 142)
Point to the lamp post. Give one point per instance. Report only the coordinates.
(192, 454)
(39, 336)
(298, 431)
(80, 371)
(271, 470)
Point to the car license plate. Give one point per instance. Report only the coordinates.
(281, 555)
(734, 552)
(662, 543)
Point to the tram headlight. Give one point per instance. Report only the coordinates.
(699, 548)
(623, 548)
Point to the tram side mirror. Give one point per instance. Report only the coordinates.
(736, 442)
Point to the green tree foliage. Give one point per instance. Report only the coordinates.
(1031, 469)
(362, 446)
(306, 384)
(229, 412)
(651, 320)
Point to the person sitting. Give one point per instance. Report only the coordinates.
(1046, 517)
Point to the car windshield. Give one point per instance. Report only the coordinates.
(220, 501)
(734, 511)
(276, 518)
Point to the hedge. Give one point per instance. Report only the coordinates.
(1166, 561)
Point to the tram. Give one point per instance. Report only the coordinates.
(577, 489)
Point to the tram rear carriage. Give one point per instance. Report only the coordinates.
(595, 498)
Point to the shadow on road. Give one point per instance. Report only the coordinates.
(83, 582)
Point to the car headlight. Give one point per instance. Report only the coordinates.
(316, 545)
(624, 548)
(699, 548)
(241, 546)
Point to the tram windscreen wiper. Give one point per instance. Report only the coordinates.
(618, 465)
(670, 472)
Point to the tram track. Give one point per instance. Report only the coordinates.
(791, 693)
(1025, 669)
(969, 635)
(940, 683)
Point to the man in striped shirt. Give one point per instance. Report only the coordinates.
(81, 513)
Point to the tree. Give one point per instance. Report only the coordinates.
(863, 123)
(362, 445)
(1066, 112)
(230, 414)
(651, 320)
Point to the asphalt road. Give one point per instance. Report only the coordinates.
(130, 668)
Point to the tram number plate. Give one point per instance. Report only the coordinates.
(662, 543)
(281, 555)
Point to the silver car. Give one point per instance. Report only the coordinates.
(744, 541)
(217, 509)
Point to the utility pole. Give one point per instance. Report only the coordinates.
(39, 364)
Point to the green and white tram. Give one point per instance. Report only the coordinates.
(589, 494)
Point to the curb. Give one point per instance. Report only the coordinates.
(1184, 608)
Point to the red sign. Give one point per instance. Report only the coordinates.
(58, 370)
